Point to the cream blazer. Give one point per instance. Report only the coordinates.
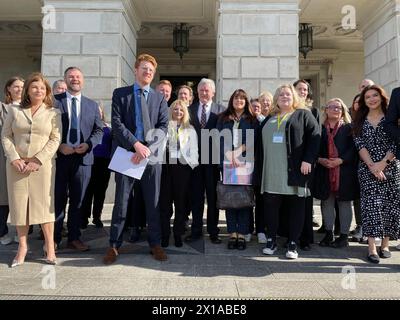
(188, 143)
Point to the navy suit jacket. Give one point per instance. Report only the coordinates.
(123, 116)
(392, 119)
(91, 126)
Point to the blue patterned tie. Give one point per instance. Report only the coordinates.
(73, 132)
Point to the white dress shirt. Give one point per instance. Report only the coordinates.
(78, 112)
(208, 110)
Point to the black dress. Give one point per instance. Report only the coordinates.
(380, 200)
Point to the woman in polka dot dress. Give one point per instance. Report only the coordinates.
(378, 173)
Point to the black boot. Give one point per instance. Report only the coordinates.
(327, 240)
(341, 242)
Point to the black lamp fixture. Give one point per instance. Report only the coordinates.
(305, 38)
(181, 39)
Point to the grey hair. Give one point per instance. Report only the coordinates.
(55, 84)
(208, 82)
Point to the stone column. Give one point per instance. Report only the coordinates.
(97, 36)
(381, 45)
(257, 46)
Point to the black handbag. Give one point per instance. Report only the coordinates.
(234, 196)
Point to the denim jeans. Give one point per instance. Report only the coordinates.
(237, 220)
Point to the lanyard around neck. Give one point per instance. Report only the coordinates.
(281, 120)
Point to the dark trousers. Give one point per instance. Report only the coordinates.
(175, 189)
(204, 179)
(237, 220)
(136, 216)
(96, 190)
(357, 211)
(4, 210)
(72, 179)
(258, 213)
(150, 186)
(296, 208)
(307, 234)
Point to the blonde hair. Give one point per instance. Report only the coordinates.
(345, 111)
(266, 94)
(186, 118)
(297, 102)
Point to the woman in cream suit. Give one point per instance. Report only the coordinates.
(182, 157)
(30, 137)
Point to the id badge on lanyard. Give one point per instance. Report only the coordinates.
(277, 137)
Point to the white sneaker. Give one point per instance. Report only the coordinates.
(292, 251)
(5, 240)
(270, 248)
(247, 237)
(261, 237)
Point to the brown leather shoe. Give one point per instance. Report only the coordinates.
(77, 245)
(158, 253)
(111, 256)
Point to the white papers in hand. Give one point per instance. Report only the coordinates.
(121, 162)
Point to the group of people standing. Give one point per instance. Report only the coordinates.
(62, 146)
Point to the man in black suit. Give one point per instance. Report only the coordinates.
(138, 112)
(392, 119)
(203, 117)
(82, 131)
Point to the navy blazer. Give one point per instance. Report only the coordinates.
(91, 125)
(123, 116)
(392, 119)
(349, 188)
(216, 109)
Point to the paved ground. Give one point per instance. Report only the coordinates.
(203, 270)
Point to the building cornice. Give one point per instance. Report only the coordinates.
(382, 14)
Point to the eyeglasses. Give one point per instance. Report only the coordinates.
(334, 108)
(147, 69)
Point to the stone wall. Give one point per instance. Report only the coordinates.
(97, 37)
(381, 46)
(257, 46)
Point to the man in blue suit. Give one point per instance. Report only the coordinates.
(82, 131)
(137, 112)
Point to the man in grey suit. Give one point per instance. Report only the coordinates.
(82, 131)
(136, 112)
(204, 116)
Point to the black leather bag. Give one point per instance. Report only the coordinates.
(234, 196)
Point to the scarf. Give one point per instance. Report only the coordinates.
(334, 173)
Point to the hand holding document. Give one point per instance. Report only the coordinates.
(121, 162)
